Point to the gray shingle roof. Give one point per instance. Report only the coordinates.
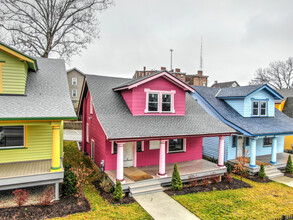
(118, 122)
(255, 126)
(240, 91)
(285, 93)
(288, 107)
(47, 94)
(224, 84)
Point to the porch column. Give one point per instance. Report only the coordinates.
(134, 154)
(253, 152)
(56, 165)
(56, 191)
(221, 151)
(162, 162)
(274, 151)
(119, 174)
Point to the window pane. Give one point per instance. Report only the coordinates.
(234, 141)
(263, 111)
(175, 145)
(115, 148)
(166, 107)
(268, 141)
(247, 141)
(153, 107)
(153, 97)
(12, 136)
(166, 98)
(255, 111)
(263, 105)
(255, 104)
(138, 146)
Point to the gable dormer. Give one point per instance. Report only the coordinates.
(251, 101)
(157, 94)
(14, 67)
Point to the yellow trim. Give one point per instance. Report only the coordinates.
(280, 106)
(25, 137)
(19, 56)
(1, 79)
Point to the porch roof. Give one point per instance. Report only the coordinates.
(119, 123)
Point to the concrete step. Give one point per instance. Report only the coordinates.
(272, 171)
(143, 191)
(271, 176)
(145, 185)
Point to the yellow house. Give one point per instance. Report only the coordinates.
(286, 106)
(34, 101)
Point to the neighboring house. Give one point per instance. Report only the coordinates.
(75, 81)
(225, 84)
(286, 106)
(145, 125)
(249, 110)
(34, 102)
(197, 79)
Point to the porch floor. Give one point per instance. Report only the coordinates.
(185, 168)
(24, 168)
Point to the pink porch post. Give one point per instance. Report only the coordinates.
(221, 151)
(162, 162)
(119, 174)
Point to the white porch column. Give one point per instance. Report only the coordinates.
(253, 152)
(221, 151)
(119, 171)
(135, 154)
(274, 151)
(162, 162)
(57, 191)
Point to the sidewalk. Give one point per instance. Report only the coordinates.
(161, 206)
(285, 180)
(72, 135)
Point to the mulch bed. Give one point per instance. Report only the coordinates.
(109, 196)
(235, 184)
(288, 174)
(64, 207)
(257, 179)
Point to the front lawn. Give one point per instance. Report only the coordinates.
(262, 201)
(101, 209)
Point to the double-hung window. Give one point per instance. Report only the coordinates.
(159, 101)
(263, 108)
(267, 142)
(74, 81)
(234, 141)
(153, 104)
(12, 136)
(166, 102)
(74, 93)
(255, 108)
(259, 108)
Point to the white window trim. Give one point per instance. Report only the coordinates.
(15, 147)
(266, 113)
(87, 132)
(160, 93)
(179, 151)
(257, 108)
(91, 106)
(74, 80)
(75, 93)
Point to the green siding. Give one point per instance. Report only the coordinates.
(14, 74)
(39, 146)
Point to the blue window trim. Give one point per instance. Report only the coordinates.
(234, 146)
(259, 107)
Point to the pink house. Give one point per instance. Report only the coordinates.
(146, 125)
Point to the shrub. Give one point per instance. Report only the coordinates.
(261, 172)
(205, 182)
(46, 198)
(240, 168)
(106, 186)
(215, 179)
(118, 193)
(21, 196)
(192, 181)
(176, 180)
(289, 166)
(69, 187)
(228, 178)
(229, 167)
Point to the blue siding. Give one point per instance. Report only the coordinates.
(262, 94)
(237, 104)
(211, 147)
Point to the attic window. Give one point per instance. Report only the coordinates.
(74, 81)
(259, 108)
(159, 101)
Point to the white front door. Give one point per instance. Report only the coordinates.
(240, 149)
(128, 154)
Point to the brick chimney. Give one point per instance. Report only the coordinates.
(177, 70)
(163, 68)
(199, 72)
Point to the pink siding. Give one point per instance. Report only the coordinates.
(127, 95)
(138, 100)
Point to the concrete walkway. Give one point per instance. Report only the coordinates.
(285, 180)
(161, 206)
(72, 135)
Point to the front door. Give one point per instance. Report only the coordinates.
(240, 150)
(128, 154)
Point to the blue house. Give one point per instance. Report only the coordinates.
(251, 111)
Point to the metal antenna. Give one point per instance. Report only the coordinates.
(200, 54)
(171, 50)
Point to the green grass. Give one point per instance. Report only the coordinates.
(262, 201)
(101, 209)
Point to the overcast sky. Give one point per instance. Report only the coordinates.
(238, 37)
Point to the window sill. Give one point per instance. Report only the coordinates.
(175, 152)
(12, 148)
(267, 145)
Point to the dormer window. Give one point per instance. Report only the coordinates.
(259, 108)
(159, 101)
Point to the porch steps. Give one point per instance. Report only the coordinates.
(147, 187)
(273, 172)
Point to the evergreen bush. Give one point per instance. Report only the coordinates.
(176, 180)
(289, 166)
(69, 187)
(118, 193)
(262, 173)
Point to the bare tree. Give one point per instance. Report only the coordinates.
(43, 27)
(279, 74)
